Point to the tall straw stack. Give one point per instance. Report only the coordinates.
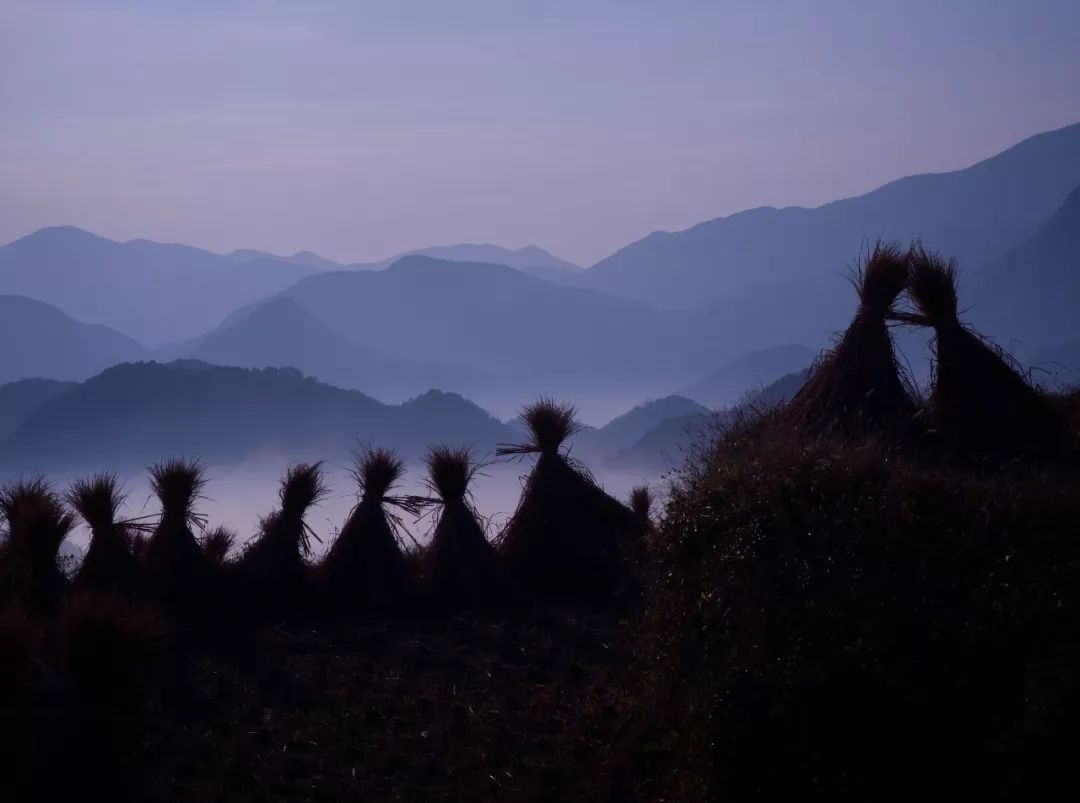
(109, 565)
(36, 524)
(980, 399)
(567, 535)
(860, 385)
(459, 566)
(366, 567)
(272, 574)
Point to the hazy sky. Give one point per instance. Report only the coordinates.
(358, 129)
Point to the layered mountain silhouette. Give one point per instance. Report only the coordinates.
(501, 336)
(154, 292)
(630, 427)
(18, 400)
(973, 214)
(280, 333)
(137, 412)
(1032, 293)
(666, 445)
(755, 370)
(500, 323)
(531, 259)
(308, 259)
(39, 340)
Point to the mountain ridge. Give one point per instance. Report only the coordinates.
(956, 211)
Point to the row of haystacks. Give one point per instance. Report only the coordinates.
(980, 404)
(568, 537)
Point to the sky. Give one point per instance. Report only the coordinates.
(362, 129)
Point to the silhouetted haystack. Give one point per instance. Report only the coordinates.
(567, 534)
(109, 565)
(36, 525)
(979, 397)
(217, 544)
(860, 384)
(365, 567)
(459, 566)
(272, 574)
(177, 572)
(641, 502)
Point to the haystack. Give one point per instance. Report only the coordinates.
(109, 565)
(272, 574)
(459, 566)
(366, 567)
(36, 525)
(567, 535)
(979, 397)
(217, 544)
(860, 385)
(177, 572)
(641, 502)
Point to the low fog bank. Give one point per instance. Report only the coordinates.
(238, 496)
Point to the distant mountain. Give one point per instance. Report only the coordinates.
(666, 445)
(748, 373)
(21, 398)
(530, 259)
(507, 327)
(38, 340)
(778, 392)
(279, 333)
(306, 258)
(630, 427)
(153, 291)
(973, 214)
(137, 412)
(1031, 294)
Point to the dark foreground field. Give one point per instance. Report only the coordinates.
(518, 706)
(472, 707)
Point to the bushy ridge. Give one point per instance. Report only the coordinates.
(863, 619)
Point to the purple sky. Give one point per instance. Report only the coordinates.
(359, 129)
